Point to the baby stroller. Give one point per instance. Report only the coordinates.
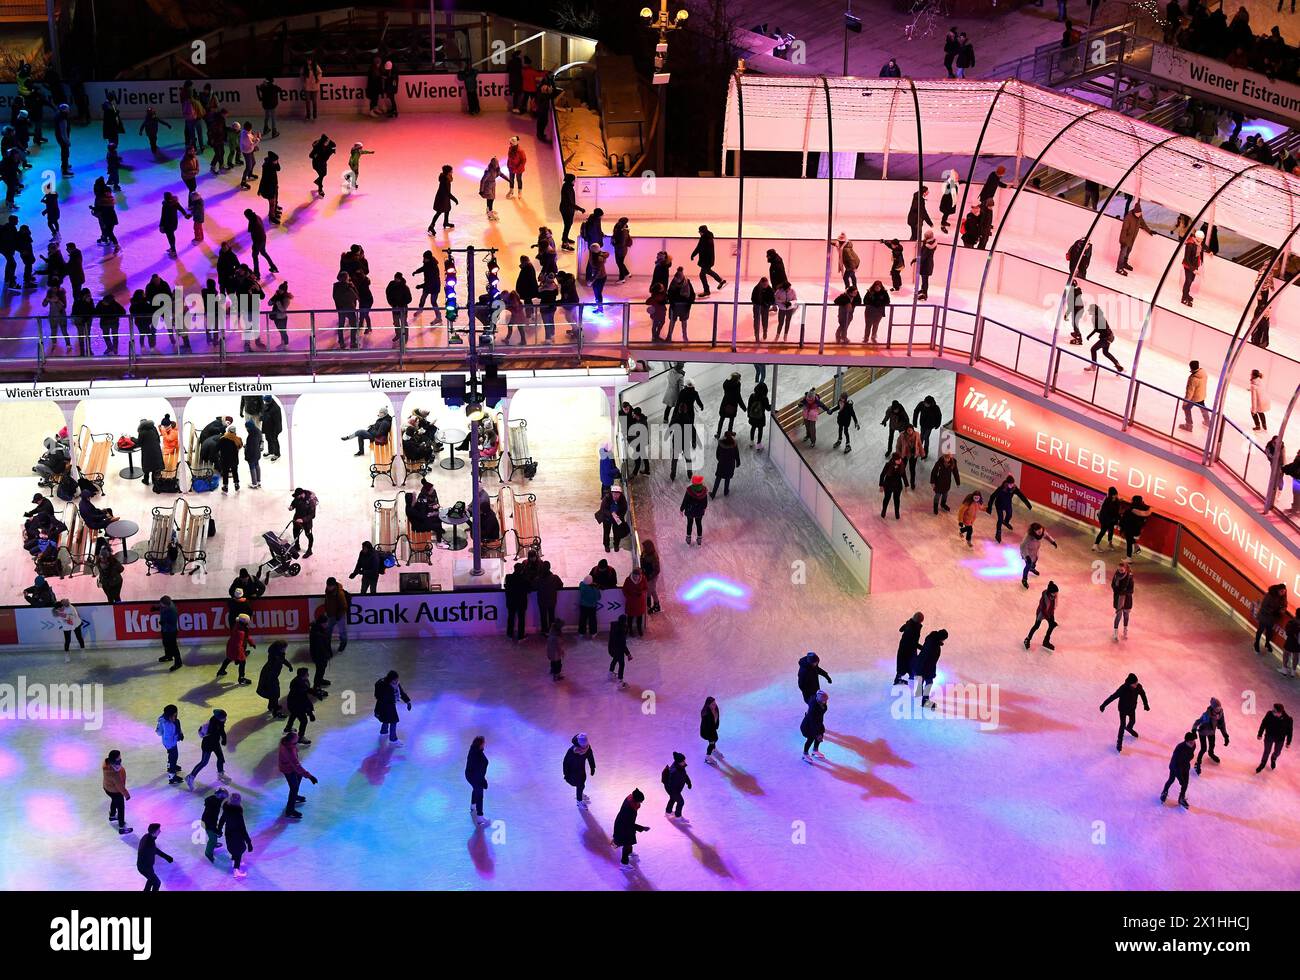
(283, 555)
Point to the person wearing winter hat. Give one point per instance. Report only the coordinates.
(253, 453)
(237, 645)
(626, 828)
(925, 664)
(1046, 612)
(675, 781)
(588, 603)
(1127, 695)
(694, 504)
(1193, 258)
(516, 161)
(168, 729)
(813, 726)
(211, 821)
(354, 163)
(233, 828)
(1212, 720)
(213, 735)
(577, 760)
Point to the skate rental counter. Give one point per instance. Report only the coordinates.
(372, 450)
(1066, 465)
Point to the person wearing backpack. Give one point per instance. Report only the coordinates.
(213, 734)
(675, 780)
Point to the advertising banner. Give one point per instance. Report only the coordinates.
(338, 95)
(1040, 436)
(977, 462)
(1224, 581)
(1280, 100)
(1083, 503)
(388, 616)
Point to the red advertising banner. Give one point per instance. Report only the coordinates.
(202, 618)
(1221, 578)
(1040, 436)
(1083, 503)
(8, 627)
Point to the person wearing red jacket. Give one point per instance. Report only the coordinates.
(516, 161)
(635, 589)
(293, 771)
(1046, 612)
(237, 645)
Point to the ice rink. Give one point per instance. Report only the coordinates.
(1024, 792)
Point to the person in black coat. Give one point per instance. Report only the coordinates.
(272, 426)
(1180, 764)
(694, 502)
(813, 726)
(943, 475)
(577, 759)
(300, 705)
(1108, 517)
(1001, 500)
(619, 654)
(516, 589)
(704, 256)
(476, 767)
(318, 644)
(909, 643)
(845, 415)
(1212, 720)
(148, 851)
(1275, 731)
(810, 675)
(626, 827)
(1127, 695)
(917, 215)
(893, 477)
(710, 719)
(212, 821)
(150, 445)
(377, 431)
(235, 830)
(927, 416)
(675, 781)
(925, 663)
(728, 457)
(370, 565)
(388, 691)
(268, 681)
(213, 735)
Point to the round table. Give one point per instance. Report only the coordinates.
(123, 529)
(453, 438)
(457, 542)
(130, 472)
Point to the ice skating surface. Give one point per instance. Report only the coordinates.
(1040, 800)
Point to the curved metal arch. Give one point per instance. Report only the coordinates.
(740, 208)
(920, 188)
(1155, 295)
(1240, 337)
(830, 210)
(1087, 240)
(978, 339)
(961, 209)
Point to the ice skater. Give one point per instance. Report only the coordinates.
(145, 855)
(1206, 727)
(211, 821)
(1046, 612)
(1029, 551)
(1179, 768)
(235, 830)
(1127, 694)
(909, 643)
(675, 781)
(321, 151)
(943, 475)
(555, 647)
(579, 757)
(1275, 732)
(810, 675)
(626, 828)
(476, 767)
(844, 417)
(710, 719)
(169, 730)
(114, 773)
(213, 735)
(619, 654)
(1001, 500)
(924, 666)
(268, 680)
(1108, 517)
(893, 477)
(388, 691)
(1121, 587)
(354, 164)
(293, 772)
(299, 704)
(238, 644)
(442, 202)
(966, 515)
(813, 726)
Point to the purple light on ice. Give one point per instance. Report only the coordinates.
(999, 561)
(708, 590)
(49, 813)
(72, 758)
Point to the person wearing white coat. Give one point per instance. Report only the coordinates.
(1258, 402)
(948, 201)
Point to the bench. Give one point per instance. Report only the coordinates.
(523, 520)
(78, 541)
(199, 470)
(517, 440)
(180, 526)
(93, 451)
(414, 467)
(497, 548)
(381, 456)
(419, 544)
(386, 530)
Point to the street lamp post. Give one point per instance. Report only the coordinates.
(664, 23)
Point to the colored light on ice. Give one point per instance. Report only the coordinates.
(48, 813)
(72, 758)
(702, 593)
(999, 562)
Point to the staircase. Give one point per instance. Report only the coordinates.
(853, 380)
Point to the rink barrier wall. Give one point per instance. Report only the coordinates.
(429, 615)
(342, 95)
(843, 536)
